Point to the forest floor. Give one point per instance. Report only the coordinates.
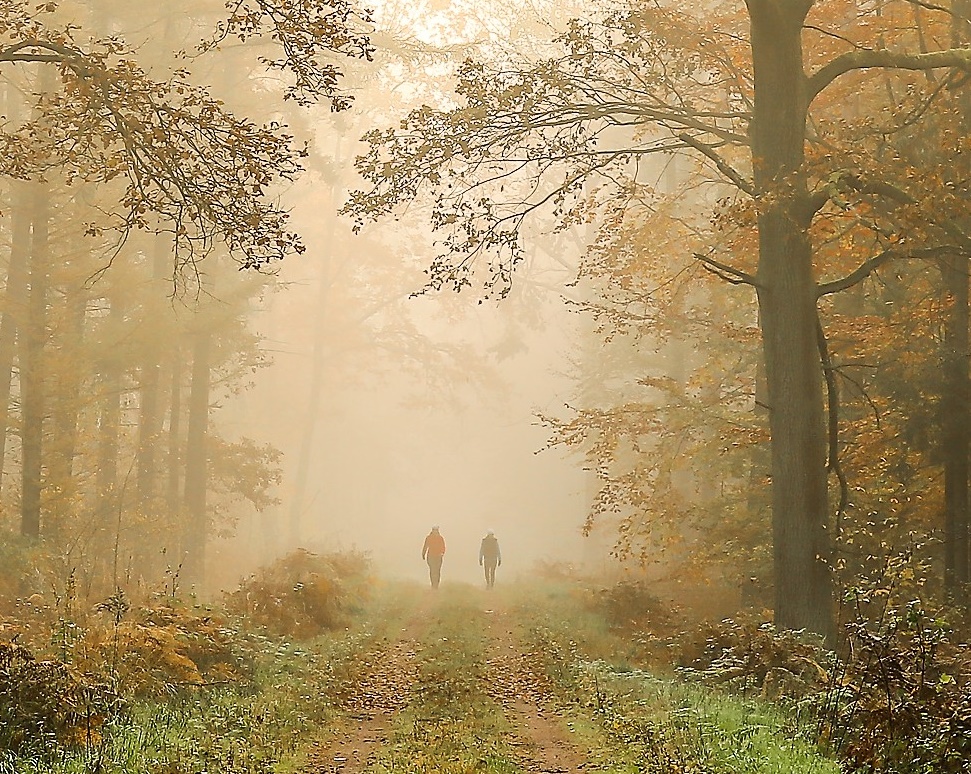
(463, 679)
(528, 678)
(533, 726)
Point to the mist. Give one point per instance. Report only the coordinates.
(667, 302)
(399, 452)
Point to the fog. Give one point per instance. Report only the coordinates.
(395, 453)
(201, 421)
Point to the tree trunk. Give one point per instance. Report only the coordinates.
(110, 384)
(956, 434)
(174, 484)
(66, 409)
(315, 394)
(196, 464)
(956, 391)
(32, 399)
(15, 304)
(150, 414)
(787, 308)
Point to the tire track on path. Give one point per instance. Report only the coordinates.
(518, 683)
(371, 703)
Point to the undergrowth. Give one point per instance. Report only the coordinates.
(660, 724)
(171, 686)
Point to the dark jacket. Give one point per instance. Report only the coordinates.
(489, 550)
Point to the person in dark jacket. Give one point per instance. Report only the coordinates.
(490, 557)
(433, 551)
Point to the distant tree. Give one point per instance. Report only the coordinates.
(145, 148)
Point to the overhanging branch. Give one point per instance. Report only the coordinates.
(866, 59)
(726, 272)
(727, 170)
(863, 271)
(869, 266)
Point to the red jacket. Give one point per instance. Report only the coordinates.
(434, 545)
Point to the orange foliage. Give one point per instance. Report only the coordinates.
(303, 594)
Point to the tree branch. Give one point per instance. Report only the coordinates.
(863, 271)
(728, 171)
(833, 404)
(865, 59)
(727, 273)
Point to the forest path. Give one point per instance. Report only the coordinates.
(517, 681)
(508, 676)
(389, 675)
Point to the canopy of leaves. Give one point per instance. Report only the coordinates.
(183, 163)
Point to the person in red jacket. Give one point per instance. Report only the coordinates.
(433, 551)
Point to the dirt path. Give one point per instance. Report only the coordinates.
(540, 740)
(517, 682)
(389, 674)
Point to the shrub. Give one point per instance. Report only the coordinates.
(756, 658)
(46, 703)
(166, 648)
(901, 701)
(303, 594)
(632, 604)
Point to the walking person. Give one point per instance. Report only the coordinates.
(433, 551)
(490, 557)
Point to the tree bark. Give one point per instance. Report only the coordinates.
(787, 309)
(956, 392)
(32, 398)
(196, 464)
(15, 304)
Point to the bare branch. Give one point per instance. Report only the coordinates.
(865, 59)
(725, 272)
(726, 169)
(863, 271)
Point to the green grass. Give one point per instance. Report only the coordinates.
(679, 727)
(261, 728)
(636, 721)
(630, 720)
(451, 725)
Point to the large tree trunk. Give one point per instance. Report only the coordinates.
(787, 308)
(197, 465)
(32, 399)
(956, 394)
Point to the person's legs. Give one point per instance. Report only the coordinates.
(490, 571)
(435, 570)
